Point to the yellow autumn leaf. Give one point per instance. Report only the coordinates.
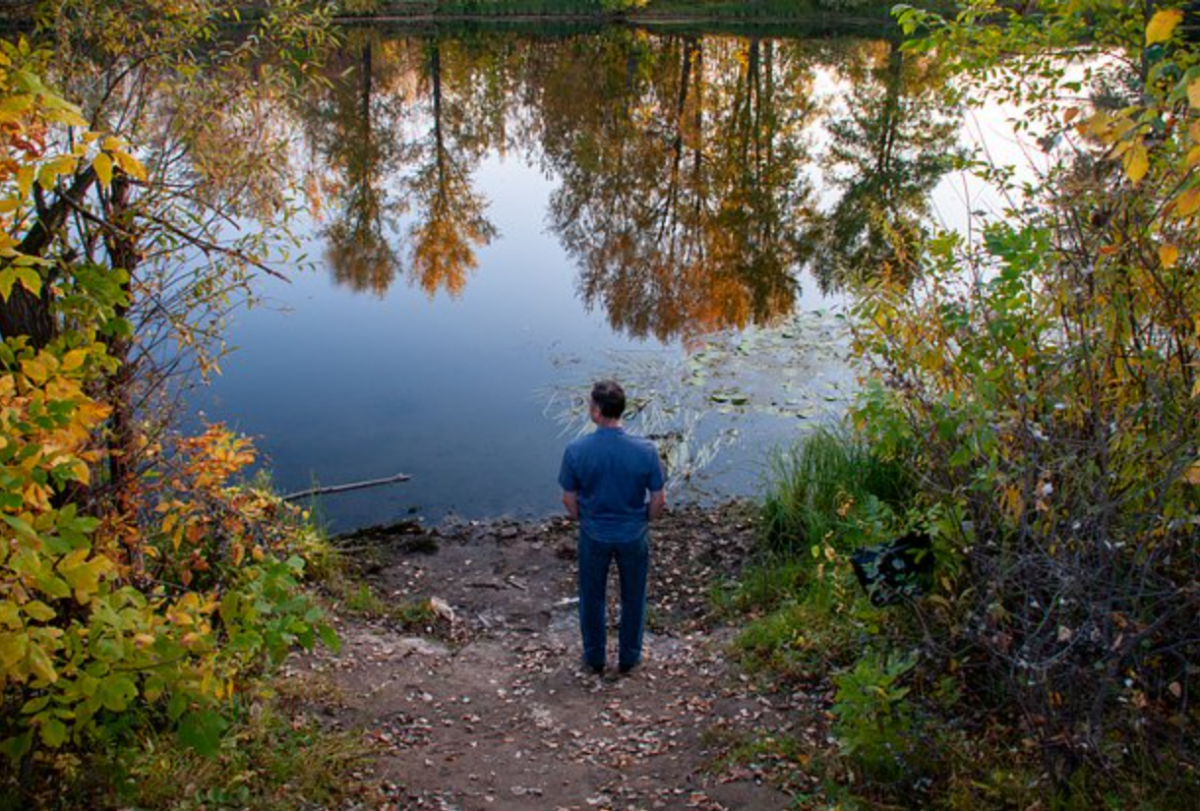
(1193, 92)
(82, 472)
(1162, 25)
(1193, 157)
(35, 369)
(1168, 255)
(40, 664)
(68, 116)
(25, 177)
(104, 169)
(13, 648)
(1137, 163)
(83, 575)
(49, 173)
(1192, 474)
(131, 165)
(73, 359)
(1188, 202)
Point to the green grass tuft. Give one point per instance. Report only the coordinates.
(815, 486)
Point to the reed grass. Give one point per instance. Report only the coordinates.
(814, 486)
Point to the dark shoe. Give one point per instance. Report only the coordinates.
(588, 667)
(625, 668)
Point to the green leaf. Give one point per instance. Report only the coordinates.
(39, 611)
(16, 747)
(22, 526)
(54, 733)
(30, 279)
(176, 705)
(52, 586)
(201, 731)
(116, 692)
(8, 277)
(329, 637)
(35, 705)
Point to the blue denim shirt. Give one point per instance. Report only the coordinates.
(611, 472)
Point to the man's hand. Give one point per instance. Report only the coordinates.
(658, 503)
(571, 502)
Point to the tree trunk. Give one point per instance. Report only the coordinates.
(122, 438)
(25, 313)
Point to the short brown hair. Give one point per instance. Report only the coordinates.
(609, 397)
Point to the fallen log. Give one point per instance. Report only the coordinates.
(342, 488)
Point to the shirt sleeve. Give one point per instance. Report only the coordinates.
(567, 479)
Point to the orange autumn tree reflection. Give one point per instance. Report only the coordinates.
(682, 190)
(379, 174)
(450, 223)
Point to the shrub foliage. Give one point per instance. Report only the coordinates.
(139, 586)
(1043, 384)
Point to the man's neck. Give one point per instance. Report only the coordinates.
(604, 422)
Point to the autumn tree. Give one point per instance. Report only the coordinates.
(1041, 384)
(128, 598)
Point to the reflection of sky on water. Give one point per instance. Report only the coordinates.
(340, 386)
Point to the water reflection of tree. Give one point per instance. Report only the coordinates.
(378, 168)
(683, 193)
(890, 146)
(681, 181)
(352, 129)
(450, 222)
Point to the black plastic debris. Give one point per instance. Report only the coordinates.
(895, 571)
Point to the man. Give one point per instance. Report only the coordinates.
(605, 478)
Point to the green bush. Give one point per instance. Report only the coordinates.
(874, 720)
(802, 641)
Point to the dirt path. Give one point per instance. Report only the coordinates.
(500, 715)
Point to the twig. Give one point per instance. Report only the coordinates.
(341, 488)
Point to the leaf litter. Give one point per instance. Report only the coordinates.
(494, 711)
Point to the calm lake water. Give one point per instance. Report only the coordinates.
(497, 219)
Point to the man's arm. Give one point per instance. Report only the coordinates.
(658, 503)
(571, 502)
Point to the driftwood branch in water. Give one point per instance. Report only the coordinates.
(342, 488)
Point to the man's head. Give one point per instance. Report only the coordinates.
(608, 398)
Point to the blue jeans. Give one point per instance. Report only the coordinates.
(633, 566)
